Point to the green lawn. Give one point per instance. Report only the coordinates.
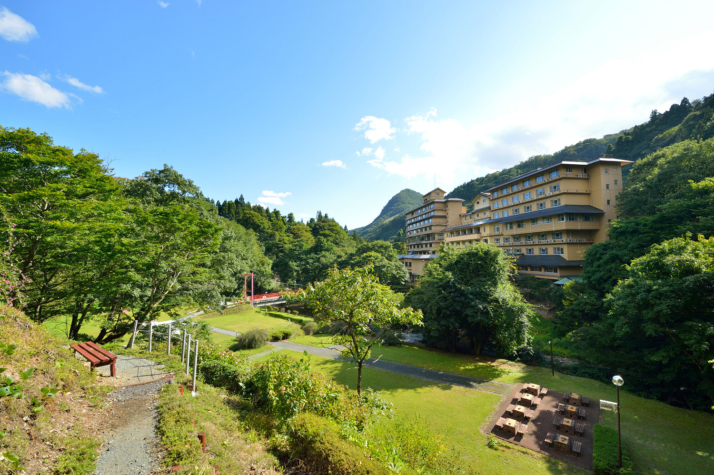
(456, 413)
(249, 319)
(662, 439)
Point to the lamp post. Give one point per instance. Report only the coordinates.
(552, 368)
(618, 381)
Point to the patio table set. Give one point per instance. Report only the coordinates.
(530, 397)
(572, 411)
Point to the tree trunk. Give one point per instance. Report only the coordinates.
(74, 327)
(359, 378)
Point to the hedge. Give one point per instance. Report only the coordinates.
(317, 442)
(605, 453)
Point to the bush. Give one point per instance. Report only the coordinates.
(287, 333)
(276, 335)
(252, 339)
(605, 452)
(392, 338)
(317, 442)
(336, 328)
(269, 308)
(310, 328)
(295, 312)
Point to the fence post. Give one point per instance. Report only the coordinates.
(188, 354)
(183, 346)
(151, 334)
(195, 369)
(133, 335)
(168, 341)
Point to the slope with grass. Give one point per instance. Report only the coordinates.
(661, 438)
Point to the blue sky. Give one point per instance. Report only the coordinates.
(336, 106)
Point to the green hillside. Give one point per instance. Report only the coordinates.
(391, 219)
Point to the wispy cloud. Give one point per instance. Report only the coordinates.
(14, 27)
(334, 163)
(31, 88)
(79, 84)
(375, 129)
(199, 2)
(365, 152)
(191, 52)
(273, 198)
(610, 98)
(163, 4)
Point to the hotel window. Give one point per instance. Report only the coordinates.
(517, 250)
(557, 236)
(497, 240)
(504, 202)
(568, 170)
(558, 251)
(585, 171)
(534, 222)
(495, 205)
(497, 228)
(495, 194)
(506, 240)
(516, 239)
(614, 167)
(516, 211)
(515, 199)
(615, 182)
(521, 224)
(542, 237)
(554, 174)
(547, 220)
(485, 241)
(554, 188)
(540, 191)
(607, 186)
(509, 226)
(527, 195)
(554, 203)
(529, 251)
(543, 250)
(561, 218)
(588, 217)
(541, 205)
(608, 202)
(527, 209)
(607, 172)
(526, 183)
(572, 217)
(540, 179)
(514, 187)
(552, 270)
(529, 238)
(505, 214)
(496, 214)
(504, 191)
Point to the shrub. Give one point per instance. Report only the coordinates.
(317, 442)
(252, 339)
(269, 308)
(310, 328)
(287, 333)
(392, 338)
(223, 374)
(605, 452)
(336, 328)
(276, 335)
(295, 312)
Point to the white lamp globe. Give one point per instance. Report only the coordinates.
(617, 380)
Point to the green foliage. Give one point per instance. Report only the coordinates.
(392, 338)
(252, 339)
(317, 443)
(392, 213)
(310, 328)
(605, 454)
(355, 298)
(468, 294)
(79, 456)
(383, 258)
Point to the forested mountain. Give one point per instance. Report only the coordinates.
(391, 219)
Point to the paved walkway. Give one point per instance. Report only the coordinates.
(413, 371)
(224, 332)
(133, 370)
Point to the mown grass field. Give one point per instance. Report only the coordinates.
(248, 319)
(662, 439)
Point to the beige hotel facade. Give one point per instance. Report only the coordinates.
(547, 218)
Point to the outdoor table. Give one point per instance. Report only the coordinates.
(510, 426)
(568, 426)
(575, 399)
(526, 398)
(562, 443)
(533, 389)
(519, 411)
(571, 411)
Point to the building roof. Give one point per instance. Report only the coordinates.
(565, 209)
(470, 225)
(433, 201)
(565, 162)
(551, 261)
(566, 280)
(417, 256)
(432, 191)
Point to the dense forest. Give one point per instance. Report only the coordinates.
(390, 221)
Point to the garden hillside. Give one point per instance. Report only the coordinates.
(684, 121)
(391, 217)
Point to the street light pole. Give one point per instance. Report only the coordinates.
(552, 368)
(618, 381)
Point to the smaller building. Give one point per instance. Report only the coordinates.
(415, 264)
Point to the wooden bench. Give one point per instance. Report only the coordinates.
(499, 424)
(557, 420)
(577, 447)
(581, 413)
(566, 396)
(580, 429)
(549, 439)
(561, 408)
(509, 409)
(530, 413)
(537, 401)
(522, 428)
(543, 391)
(586, 401)
(97, 356)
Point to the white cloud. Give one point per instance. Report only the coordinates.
(199, 2)
(32, 88)
(612, 97)
(379, 153)
(191, 52)
(14, 27)
(79, 84)
(365, 152)
(334, 163)
(273, 198)
(163, 4)
(375, 129)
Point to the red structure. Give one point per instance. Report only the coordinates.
(245, 287)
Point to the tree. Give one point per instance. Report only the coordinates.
(383, 258)
(661, 317)
(468, 293)
(356, 299)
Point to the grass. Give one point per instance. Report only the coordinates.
(456, 413)
(662, 439)
(249, 319)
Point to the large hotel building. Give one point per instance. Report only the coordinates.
(546, 218)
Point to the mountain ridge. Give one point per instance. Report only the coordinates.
(398, 205)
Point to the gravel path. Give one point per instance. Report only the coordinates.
(224, 332)
(131, 446)
(413, 371)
